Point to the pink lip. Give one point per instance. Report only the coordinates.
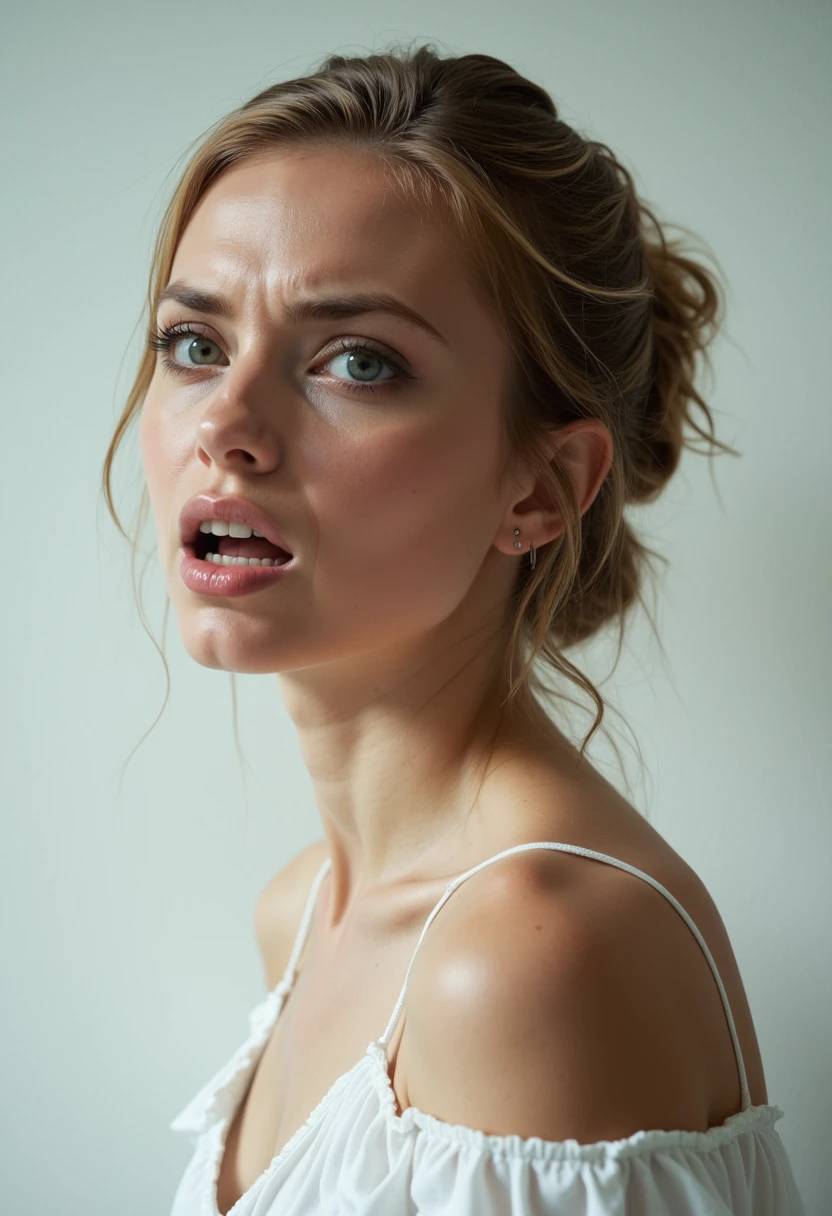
(207, 578)
(233, 508)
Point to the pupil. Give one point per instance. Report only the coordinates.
(200, 347)
(362, 359)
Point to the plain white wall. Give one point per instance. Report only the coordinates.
(130, 962)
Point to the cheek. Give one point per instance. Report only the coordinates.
(163, 455)
(149, 436)
(406, 512)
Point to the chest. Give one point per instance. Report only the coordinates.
(347, 989)
(322, 1032)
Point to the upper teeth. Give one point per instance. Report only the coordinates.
(222, 527)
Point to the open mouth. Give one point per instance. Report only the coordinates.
(253, 548)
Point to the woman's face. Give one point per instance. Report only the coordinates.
(387, 494)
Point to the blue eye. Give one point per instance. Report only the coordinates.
(361, 358)
(360, 361)
(167, 337)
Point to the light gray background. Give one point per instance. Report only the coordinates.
(129, 956)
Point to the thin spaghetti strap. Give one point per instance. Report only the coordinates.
(290, 973)
(613, 861)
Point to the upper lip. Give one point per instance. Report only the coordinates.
(233, 508)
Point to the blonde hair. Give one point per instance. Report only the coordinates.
(604, 315)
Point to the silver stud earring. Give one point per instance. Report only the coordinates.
(532, 553)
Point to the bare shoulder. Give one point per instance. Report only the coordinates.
(279, 908)
(568, 999)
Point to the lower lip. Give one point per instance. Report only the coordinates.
(208, 578)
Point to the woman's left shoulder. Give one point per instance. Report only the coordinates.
(557, 946)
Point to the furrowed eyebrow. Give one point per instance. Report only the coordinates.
(322, 308)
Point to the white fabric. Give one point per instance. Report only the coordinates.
(355, 1156)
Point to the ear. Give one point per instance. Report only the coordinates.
(585, 448)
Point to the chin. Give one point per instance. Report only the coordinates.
(219, 650)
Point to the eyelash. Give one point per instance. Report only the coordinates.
(164, 338)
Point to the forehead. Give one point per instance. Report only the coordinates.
(300, 220)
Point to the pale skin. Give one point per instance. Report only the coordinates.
(542, 965)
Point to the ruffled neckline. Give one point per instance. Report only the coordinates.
(212, 1110)
(640, 1143)
(218, 1101)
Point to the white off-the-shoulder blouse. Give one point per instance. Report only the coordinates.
(355, 1156)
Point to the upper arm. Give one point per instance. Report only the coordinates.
(527, 1019)
(279, 908)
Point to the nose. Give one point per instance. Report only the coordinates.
(238, 425)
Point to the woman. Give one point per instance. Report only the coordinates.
(415, 343)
